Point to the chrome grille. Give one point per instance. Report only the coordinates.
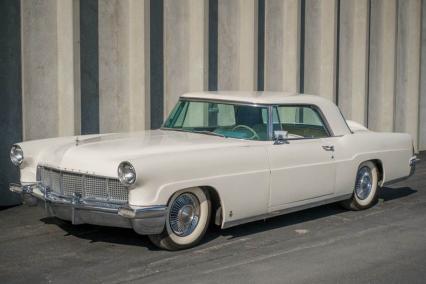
(72, 183)
(88, 186)
(95, 187)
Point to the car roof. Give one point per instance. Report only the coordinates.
(256, 97)
(329, 109)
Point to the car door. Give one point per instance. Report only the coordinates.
(303, 167)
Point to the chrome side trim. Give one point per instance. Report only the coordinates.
(286, 211)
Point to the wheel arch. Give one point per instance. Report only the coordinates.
(379, 164)
(216, 205)
(216, 202)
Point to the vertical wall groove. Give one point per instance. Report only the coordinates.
(11, 100)
(302, 46)
(337, 51)
(213, 26)
(367, 100)
(261, 46)
(422, 104)
(89, 62)
(156, 63)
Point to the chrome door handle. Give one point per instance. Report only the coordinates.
(328, 147)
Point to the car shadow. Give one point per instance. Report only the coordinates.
(391, 193)
(8, 207)
(386, 194)
(129, 237)
(93, 233)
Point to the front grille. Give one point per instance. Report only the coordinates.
(88, 186)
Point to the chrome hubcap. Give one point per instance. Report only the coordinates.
(364, 183)
(184, 214)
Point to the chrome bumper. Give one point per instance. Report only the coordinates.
(145, 220)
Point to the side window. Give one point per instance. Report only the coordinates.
(302, 121)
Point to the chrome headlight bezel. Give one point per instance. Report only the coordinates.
(126, 173)
(16, 155)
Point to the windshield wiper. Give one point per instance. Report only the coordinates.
(209, 133)
(194, 131)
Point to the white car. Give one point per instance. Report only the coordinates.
(222, 157)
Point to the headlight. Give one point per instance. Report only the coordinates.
(126, 173)
(16, 155)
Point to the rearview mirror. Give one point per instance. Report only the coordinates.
(280, 137)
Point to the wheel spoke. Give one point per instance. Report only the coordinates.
(363, 184)
(184, 214)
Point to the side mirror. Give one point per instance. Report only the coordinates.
(280, 137)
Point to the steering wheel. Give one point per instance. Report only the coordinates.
(255, 136)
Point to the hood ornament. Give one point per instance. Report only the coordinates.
(76, 141)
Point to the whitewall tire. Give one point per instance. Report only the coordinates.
(187, 220)
(366, 187)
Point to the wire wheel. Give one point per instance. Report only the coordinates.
(364, 183)
(184, 214)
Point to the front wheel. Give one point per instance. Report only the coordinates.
(187, 220)
(366, 188)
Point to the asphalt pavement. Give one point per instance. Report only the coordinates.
(385, 244)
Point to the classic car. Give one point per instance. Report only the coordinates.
(223, 158)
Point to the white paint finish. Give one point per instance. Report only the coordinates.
(310, 161)
(408, 68)
(381, 99)
(185, 48)
(422, 114)
(237, 44)
(353, 59)
(50, 68)
(320, 48)
(282, 45)
(123, 41)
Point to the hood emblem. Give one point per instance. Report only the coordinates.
(76, 141)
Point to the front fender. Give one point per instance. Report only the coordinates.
(240, 175)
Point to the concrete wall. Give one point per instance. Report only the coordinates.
(353, 59)
(137, 57)
(320, 48)
(50, 60)
(123, 65)
(407, 89)
(382, 76)
(237, 44)
(185, 48)
(282, 45)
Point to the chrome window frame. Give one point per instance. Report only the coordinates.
(270, 108)
(316, 108)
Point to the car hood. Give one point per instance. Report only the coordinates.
(89, 154)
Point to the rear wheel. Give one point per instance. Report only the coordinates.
(366, 188)
(187, 220)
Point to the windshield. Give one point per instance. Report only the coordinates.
(222, 119)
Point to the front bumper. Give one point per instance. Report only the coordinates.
(145, 220)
